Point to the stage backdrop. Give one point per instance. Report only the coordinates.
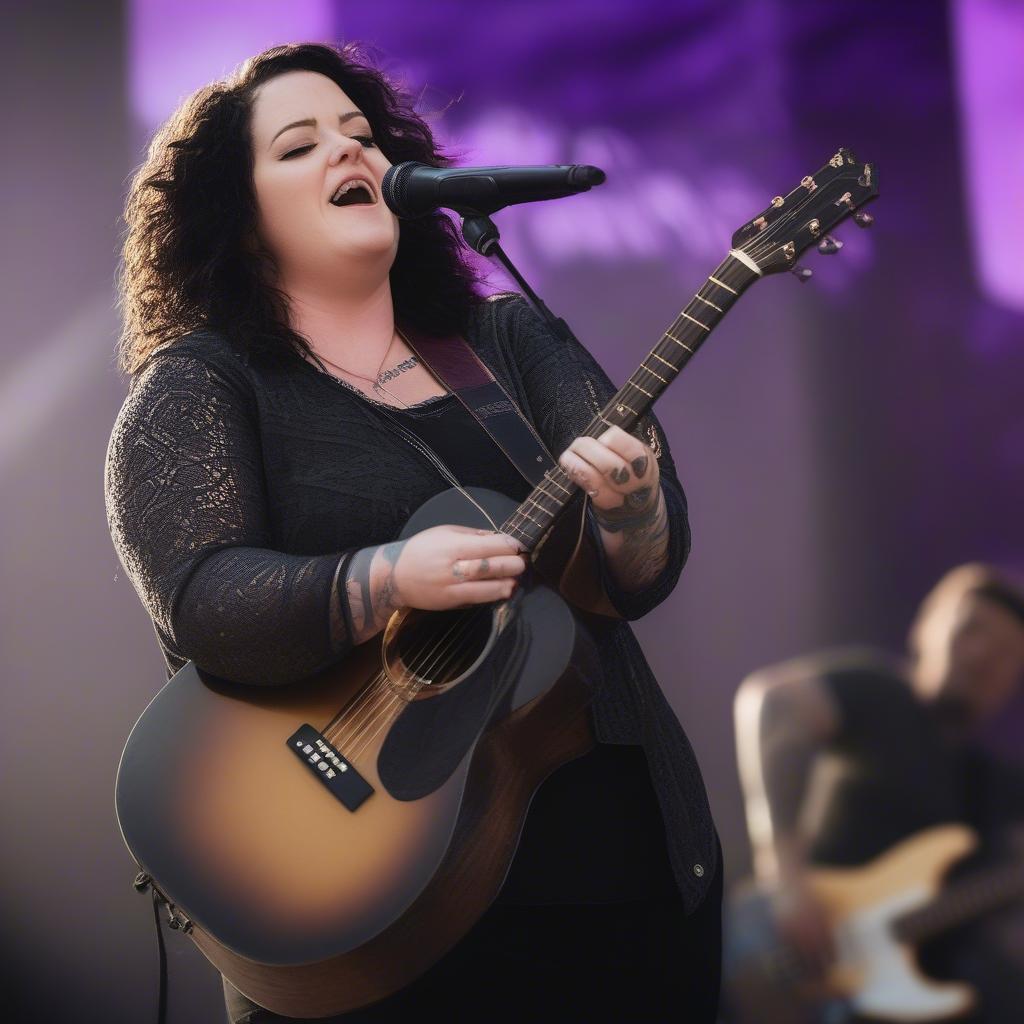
(841, 442)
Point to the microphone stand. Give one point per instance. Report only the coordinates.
(481, 234)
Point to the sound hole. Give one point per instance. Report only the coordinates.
(440, 647)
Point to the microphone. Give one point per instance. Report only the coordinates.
(412, 189)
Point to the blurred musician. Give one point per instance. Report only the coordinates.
(844, 755)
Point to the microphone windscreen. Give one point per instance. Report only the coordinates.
(585, 174)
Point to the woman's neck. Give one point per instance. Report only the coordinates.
(353, 332)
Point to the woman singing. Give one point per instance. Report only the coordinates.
(256, 487)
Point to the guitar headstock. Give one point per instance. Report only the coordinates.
(793, 223)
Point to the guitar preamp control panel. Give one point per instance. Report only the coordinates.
(330, 767)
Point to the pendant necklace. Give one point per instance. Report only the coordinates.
(374, 381)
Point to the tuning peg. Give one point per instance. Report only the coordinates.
(863, 219)
(829, 245)
(802, 274)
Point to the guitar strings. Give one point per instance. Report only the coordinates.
(471, 617)
(373, 711)
(398, 699)
(382, 711)
(387, 689)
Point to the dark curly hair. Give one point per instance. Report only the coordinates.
(191, 207)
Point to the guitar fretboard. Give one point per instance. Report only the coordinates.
(677, 346)
(962, 901)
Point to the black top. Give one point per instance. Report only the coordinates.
(594, 832)
(237, 488)
(896, 772)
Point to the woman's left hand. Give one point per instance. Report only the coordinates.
(618, 471)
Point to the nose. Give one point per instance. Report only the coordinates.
(344, 147)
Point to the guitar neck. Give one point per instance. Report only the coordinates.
(729, 280)
(961, 902)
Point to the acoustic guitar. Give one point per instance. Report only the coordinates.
(878, 914)
(325, 843)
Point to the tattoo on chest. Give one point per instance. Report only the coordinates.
(398, 369)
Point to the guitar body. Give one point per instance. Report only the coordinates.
(314, 900)
(875, 975)
(875, 971)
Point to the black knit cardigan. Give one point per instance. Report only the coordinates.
(236, 490)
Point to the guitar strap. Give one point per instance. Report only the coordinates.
(460, 369)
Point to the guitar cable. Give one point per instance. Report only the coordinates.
(141, 884)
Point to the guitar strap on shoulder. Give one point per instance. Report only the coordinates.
(460, 369)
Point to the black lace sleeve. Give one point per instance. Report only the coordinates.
(187, 513)
(566, 386)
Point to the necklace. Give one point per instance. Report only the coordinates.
(375, 381)
(410, 438)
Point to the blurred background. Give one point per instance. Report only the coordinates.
(842, 442)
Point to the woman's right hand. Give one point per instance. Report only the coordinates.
(438, 568)
(450, 566)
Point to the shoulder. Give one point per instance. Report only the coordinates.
(508, 313)
(523, 337)
(836, 661)
(493, 316)
(848, 675)
(862, 682)
(500, 303)
(859, 663)
(189, 351)
(183, 383)
(203, 362)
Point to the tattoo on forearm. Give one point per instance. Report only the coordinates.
(640, 529)
(357, 589)
(371, 588)
(636, 512)
(387, 593)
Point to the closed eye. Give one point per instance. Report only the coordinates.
(365, 140)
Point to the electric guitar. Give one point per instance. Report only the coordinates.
(325, 843)
(878, 914)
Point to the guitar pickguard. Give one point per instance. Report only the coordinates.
(432, 736)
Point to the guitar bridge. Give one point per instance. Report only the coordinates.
(330, 767)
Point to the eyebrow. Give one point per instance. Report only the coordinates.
(310, 122)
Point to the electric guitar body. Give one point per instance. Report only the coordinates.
(878, 914)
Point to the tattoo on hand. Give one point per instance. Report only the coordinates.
(639, 465)
(623, 519)
(639, 498)
(619, 475)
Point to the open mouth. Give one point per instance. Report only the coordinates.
(353, 193)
